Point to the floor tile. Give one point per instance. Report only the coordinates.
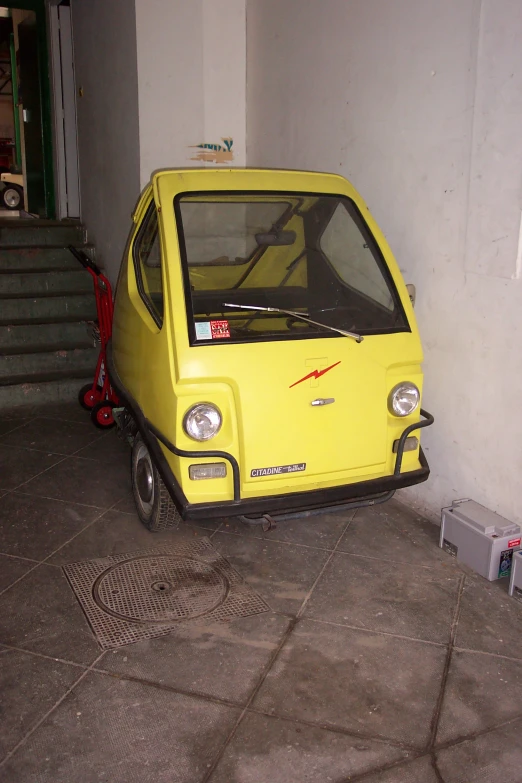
(495, 757)
(18, 412)
(64, 411)
(363, 682)
(116, 533)
(11, 569)
(19, 415)
(40, 613)
(29, 685)
(120, 731)
(127, 503)
(281, 573)
(418, 529)
(386, 533)
(421, 530)
(34, 527)
(386, 597)
(19, 465)
(58, 437)
(10, 424)
(482, 691)
(417, 771)
(224, 660)
(278, 751)
(489, 620)
(83, 481)
(321, 531)
(107, 447)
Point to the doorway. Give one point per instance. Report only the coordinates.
(31, 166)
(38, 138)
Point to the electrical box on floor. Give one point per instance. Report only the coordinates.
(479, 538)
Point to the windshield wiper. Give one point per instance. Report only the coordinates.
(357, 337)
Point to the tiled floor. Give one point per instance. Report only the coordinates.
(381, 659)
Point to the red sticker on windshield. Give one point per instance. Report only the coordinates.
(219, 329)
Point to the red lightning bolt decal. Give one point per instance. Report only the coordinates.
(315, 374)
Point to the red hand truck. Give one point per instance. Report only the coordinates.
(99, 397)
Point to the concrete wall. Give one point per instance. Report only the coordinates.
(104, 34)
(418, 102)
(192, 80)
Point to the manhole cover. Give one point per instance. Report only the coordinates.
(160, 589)
(141, 595)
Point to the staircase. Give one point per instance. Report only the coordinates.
(46, 297)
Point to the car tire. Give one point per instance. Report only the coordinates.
(155, 507)
(13, 197)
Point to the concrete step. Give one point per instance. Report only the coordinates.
(36, 233)
(45, 283)
(48, 309)
(34, 338)
(38, 367)
(26, 395)
(40, 259)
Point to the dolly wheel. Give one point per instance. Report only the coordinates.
(87, 398)
(155, 507)
(101, 414)
(13, 197)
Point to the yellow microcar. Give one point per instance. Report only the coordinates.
(265, 349)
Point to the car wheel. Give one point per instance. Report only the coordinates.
(13, 197)
(154, 505)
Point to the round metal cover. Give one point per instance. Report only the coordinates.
(160, 589)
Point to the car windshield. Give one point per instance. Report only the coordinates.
(309, 253)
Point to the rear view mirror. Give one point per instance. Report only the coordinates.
(412, 293)
(276, 238)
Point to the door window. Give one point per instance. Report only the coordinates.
(350, 254)
(147, 263)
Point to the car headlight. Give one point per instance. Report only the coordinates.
(202, 421)
(403, 399)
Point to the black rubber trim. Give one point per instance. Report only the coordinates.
(84, 260)
(198, 454)
(272, 504)
(426, 422)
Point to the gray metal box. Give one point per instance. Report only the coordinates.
(515, 583)
(479, 538)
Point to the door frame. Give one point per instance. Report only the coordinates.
(61, 65)
(39, 8)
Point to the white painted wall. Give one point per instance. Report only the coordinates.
(418, 103)
(191, 79)
(104, 34)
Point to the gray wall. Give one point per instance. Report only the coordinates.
(191, 79)
(104, 34)
(419, 103)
